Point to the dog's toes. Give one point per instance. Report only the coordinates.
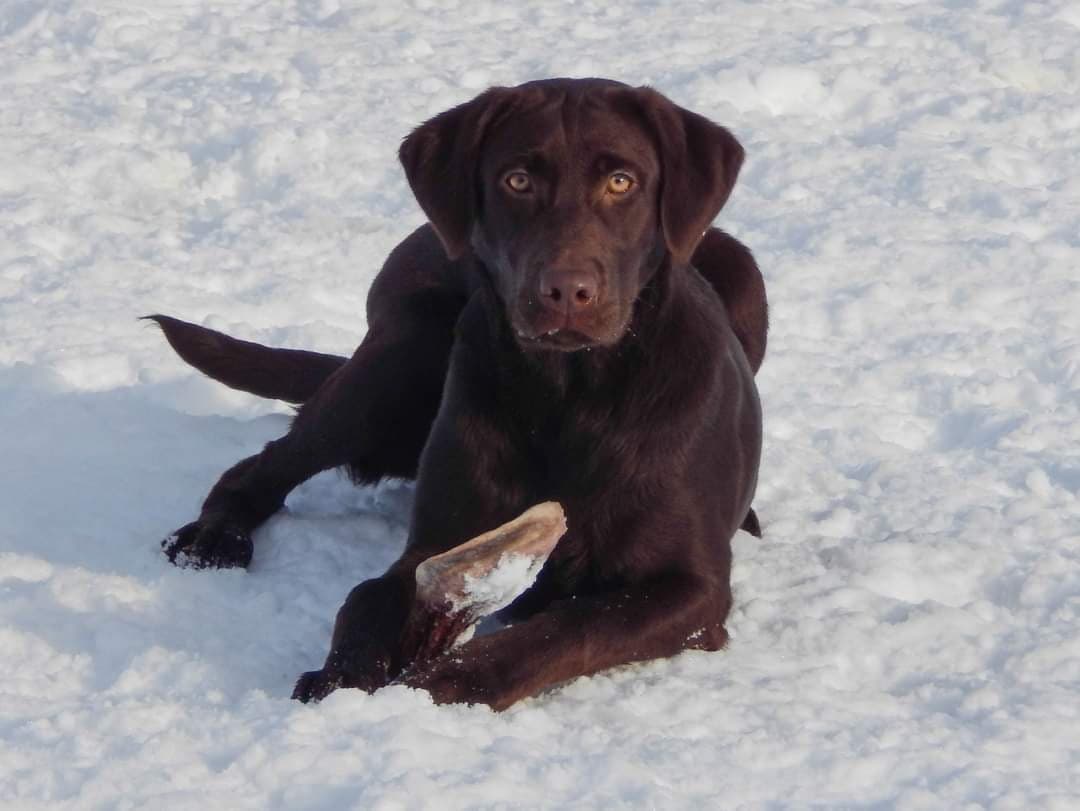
(180, 540)
(315, 685)
(197, 546)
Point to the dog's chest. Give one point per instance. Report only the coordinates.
(580, 453)
(600, 550)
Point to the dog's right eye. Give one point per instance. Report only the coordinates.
(519, 182)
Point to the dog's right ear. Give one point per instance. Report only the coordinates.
(440, 159)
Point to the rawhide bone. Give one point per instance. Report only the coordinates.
(461, 586)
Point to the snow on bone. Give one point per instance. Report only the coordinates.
(461, 586)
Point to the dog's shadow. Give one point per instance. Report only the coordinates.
(93, 481)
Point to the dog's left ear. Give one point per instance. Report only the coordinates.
(440, 160)
(699, 160)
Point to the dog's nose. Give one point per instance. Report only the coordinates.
(567, 290)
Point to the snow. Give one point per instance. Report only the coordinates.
(905, 636)
(505, 581)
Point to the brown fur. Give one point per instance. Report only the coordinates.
(548, 343)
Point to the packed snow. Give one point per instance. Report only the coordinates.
(906, 635)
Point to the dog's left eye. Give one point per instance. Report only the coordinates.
(620, 183)
(519, 181)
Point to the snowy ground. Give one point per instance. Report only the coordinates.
(907, 634)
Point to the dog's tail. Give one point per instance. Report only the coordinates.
(291, 375)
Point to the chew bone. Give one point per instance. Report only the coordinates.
(461, 586)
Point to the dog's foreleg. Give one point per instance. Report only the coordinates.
(578, 637)
(386, 627)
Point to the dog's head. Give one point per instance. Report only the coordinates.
(572, 192)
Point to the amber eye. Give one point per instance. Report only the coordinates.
(519, 182)
(620, 183)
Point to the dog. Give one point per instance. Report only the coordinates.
(566, 327)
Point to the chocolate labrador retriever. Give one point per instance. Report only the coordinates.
(567, 328)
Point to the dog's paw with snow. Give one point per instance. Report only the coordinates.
(209, 546)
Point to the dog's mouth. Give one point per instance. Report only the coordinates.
(538, 329)
(559, 340)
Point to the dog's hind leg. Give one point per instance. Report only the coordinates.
(373, 414)
(730, 268)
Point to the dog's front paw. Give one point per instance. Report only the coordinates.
(453, 679)
(209, 546)
(315, 685)
(365, 667)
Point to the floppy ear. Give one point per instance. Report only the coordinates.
(699, 161)
(440, 160)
